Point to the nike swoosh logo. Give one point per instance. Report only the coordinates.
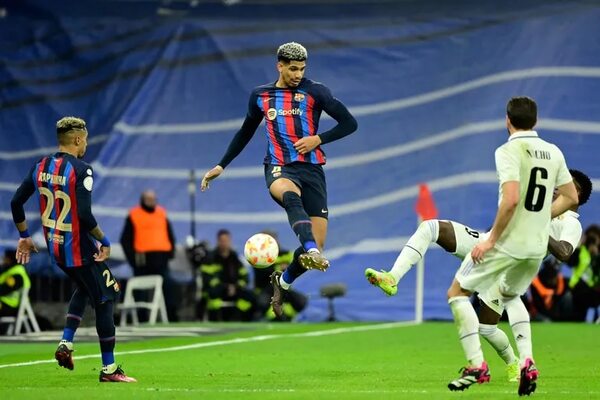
(324, 211)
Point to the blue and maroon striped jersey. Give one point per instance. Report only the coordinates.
(290, 114)
(63, 184)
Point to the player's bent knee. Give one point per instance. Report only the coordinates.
(446, 237)
(456, 290)
(282, 186)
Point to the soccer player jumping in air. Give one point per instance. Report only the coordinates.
(63, 184)
(292, 107)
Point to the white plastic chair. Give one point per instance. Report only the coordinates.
(156, 306)
(25, 317)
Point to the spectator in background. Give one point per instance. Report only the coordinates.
(585, 280)
(225, 283)
(293, 301)
(550, 296)
(197, 253)
(13, 277)
(149, 243)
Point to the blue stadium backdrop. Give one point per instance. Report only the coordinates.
(164, 88)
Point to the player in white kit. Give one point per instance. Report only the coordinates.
(528, 169)
(459, 240)
(565, 235)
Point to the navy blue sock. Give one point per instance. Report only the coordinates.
(299, 220)
(108, 357)
(294, 270)
(75, 314)
(105, 326)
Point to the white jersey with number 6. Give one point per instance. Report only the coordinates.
(564, 228)
(539, 167)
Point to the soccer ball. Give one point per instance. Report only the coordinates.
(261, 250)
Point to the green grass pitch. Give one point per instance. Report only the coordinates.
(305, 361)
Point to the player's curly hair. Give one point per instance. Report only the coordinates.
(291, 51)
(67, 124)
(584, 183)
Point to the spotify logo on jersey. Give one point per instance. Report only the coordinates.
(272, 113)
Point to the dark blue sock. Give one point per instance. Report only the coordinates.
(294, 270)
(75, 314)
(299, 220)
(68, 334)
(108, 357)
(105, 326)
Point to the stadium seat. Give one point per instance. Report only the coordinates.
(330, 292)
(25, 317)
(156, 306)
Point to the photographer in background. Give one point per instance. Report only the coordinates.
(225, 283)
(585, 280)
(551, 299)
(13, 277)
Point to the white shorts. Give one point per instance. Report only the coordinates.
(493, 299)
(466, 239)
(512, 276)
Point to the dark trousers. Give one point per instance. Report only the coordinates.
(157, 263)
(234, 313)
(584, 298)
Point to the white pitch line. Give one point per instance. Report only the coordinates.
(323, 332)
(326, 391)
(349, 391)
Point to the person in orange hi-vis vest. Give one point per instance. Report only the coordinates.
(149, 243)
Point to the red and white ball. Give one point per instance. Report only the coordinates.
(261, 250)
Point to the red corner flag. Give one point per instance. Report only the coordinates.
(425, 206)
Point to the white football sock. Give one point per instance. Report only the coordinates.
(66, 343)
(284, 285)
(467, 323)
(416, 247)
(499, 341)
(109, 369)
(518, 317)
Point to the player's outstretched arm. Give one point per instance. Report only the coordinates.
(209, 176)
(238, 143)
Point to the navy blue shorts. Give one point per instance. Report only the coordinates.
(309, 178)
(96, 280)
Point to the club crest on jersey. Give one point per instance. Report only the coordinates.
(298, 97)
(271, 114)
(276, 172)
